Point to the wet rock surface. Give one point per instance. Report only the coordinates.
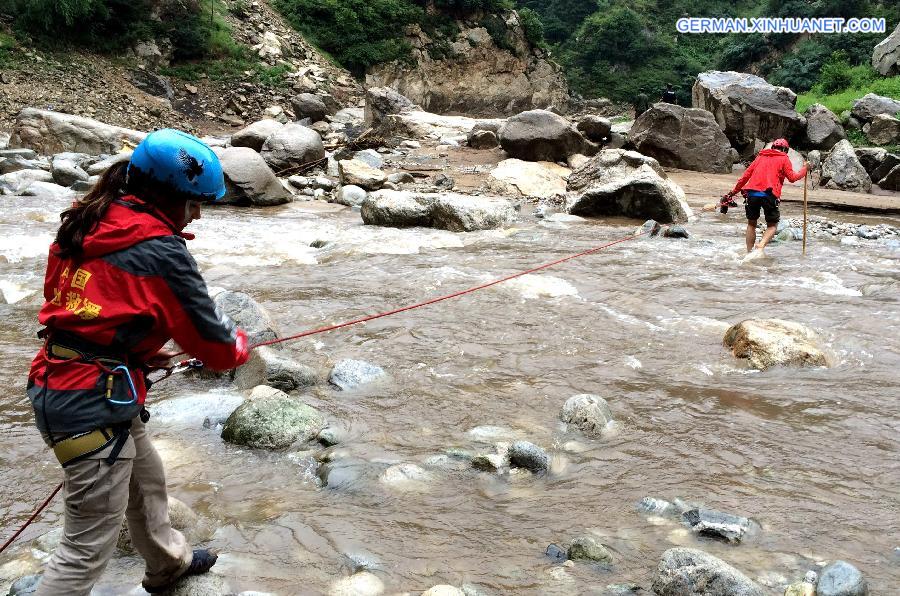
(841, 579)
(589, 413)
(682, 138)
(351, 374)
(270, 419)
(524, 454)
(692, 572)
(774, 342)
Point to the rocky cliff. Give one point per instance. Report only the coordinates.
(488, 68)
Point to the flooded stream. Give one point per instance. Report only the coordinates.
(813, 455)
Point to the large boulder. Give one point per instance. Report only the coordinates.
(255, 135)
(66, 168)
(870, 105)
(309, 105)
(267, 366)
(361, 174)
(891, 180)
(595, 128)
(886, 55)
(823, 128)
(292, 145)
(883, 130)
(457, 213)
(870, 158)
(841, 170)
(682, 138)
(541, 135)
(53, 132)
(625, 183)
(746, 107)
(247, 314)
(841, 579)
(382, 102)
(774, 342)
(270, 419)
(528, 178)
(418, 125)
(692, 572)
(249, 180)
(889, 161)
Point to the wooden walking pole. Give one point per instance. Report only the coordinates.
(805, 178)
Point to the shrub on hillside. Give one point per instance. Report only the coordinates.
(531, 24)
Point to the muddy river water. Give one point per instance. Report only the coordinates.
(813, 455)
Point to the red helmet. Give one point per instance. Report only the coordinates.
(780, 144)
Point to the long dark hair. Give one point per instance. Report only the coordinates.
(84, 216)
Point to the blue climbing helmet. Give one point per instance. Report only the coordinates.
(179, 162)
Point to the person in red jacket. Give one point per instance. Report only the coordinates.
(120, 284)
(761, 187)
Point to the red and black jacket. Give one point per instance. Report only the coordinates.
(135, 287)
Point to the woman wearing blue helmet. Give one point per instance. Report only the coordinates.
(120, 284)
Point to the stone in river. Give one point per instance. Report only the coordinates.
(529, 456)
(841, 579)
(716, 524)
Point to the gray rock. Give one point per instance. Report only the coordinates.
(382, 102)
(269, 367)
(588, 548)
(527, 455)
(66, 171)
(774, 342)
(488, 462)
(884, 130)
(676, 232)
(249, 180)
(870, 158)
(556, 553)
(247, 314)
(14, 164)
(746, 107)
(270, 419)
(4, 136)
(841, 170)
(351, 374)
(18, 182)
(626, 183)
(716, 524)
(292, 145)
(254, 135)
(692, 572)
(401, 178)
(307, 105)
(443, 182)
(396, 209)
(540, 135)
(350, 195)
(649, 228)
(590, 413)
(891, 180)
(357, 173)
(595, 128)
(208, 584)
(182, 518)
(101, 166)
(683, 138)
(21, 153)
(370, 157)
(53, 132)
(152, 83)
(886, 55)
(888, 163)
(657, 506)
(823, 128)
(870, 105)
(25, 585)
(621, 590)
(841, 579)
(483, 139)
(457, 213)
(616, 140)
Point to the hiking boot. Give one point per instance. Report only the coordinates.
(202, 562)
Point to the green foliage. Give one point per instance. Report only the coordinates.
(358, 33)
(560, 17)
(466, 7)
(534, 29)
(499, 32)
(863, 80)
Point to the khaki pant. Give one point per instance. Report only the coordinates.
(98, 496)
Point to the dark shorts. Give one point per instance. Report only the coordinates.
(768, 204)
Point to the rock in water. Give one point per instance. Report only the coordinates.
(443, 590)
(692, 572)
(716, 524)
(529, 456)
(52, 132)
(363, 583)
(746, 107)
(841, 579)
(25, 586)
(886, 55)
(247, 314)
(66, 168)
(182, 518)
(676, 232)
(269, 367)
(823, 128)
(682, 138)
(270, 419)
(249, 180)
(457, 213)
(590, 413)
(350, 195)
(657, 506)
(361, 174)
(588, 548)
(539, 135)
(774, 342)
(626, 183)
(255, 135)
(292, 145)
(350, 374)
(529, 179)
(208, 584)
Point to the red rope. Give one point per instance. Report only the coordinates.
(442, 298)
(31, 519)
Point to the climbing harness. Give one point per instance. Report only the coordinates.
(193, 363)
